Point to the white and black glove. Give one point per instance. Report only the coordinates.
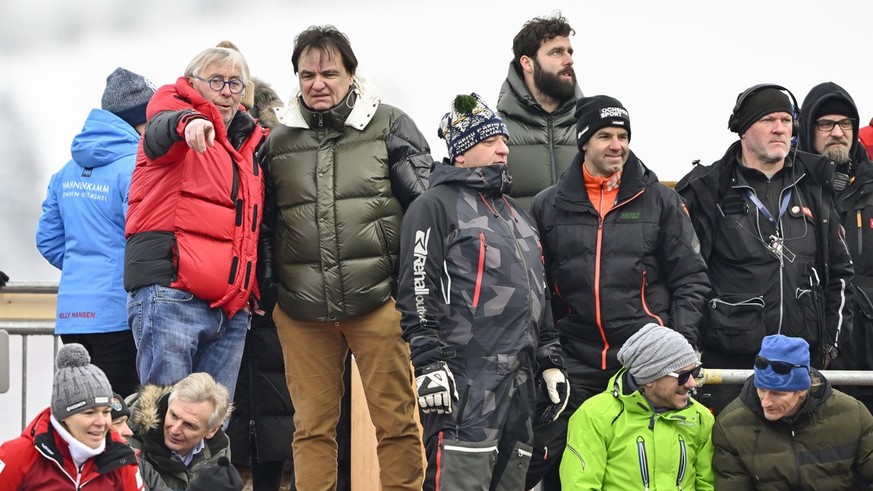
(436, 388)
(558, 390)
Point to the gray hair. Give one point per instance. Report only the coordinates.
(201, 387)
(218, 55)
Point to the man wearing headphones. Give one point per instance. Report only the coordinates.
(772, 241)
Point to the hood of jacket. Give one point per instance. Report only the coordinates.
(366, 100)
(105, 138)
(811, 104)
(516, 101)
(819, 392)
(491, 180)
(267, 104)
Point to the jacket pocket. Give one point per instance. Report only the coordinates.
(480, 269)
(734, 323)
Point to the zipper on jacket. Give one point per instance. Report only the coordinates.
(796, 460)
(645, 304)
(683, 456)
(598, 317)
(480, 269)
(644, 462)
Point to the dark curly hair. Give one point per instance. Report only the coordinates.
(325, 39)
(537, 31)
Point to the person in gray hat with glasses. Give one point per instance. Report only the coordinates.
(645, 431)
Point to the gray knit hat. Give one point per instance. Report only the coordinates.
(78, 384)
(127, 95)
(654, 351)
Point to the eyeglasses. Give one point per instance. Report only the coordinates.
(828, 124)
(217, 84)
(780, 367)
(682, 377)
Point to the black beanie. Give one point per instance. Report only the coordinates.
(834, 105)
(759, 104)
(598, 112)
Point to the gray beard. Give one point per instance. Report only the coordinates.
(838, 154)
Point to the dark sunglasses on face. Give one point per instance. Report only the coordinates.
(682, 377)
(780, 367)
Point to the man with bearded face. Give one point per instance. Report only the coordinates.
(536, 101)
(829, 127)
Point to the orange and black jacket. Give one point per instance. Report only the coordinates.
(610, 275)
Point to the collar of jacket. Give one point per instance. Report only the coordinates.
(490, 180)
(572, 195)
(635, 402)
(516, 100)
(333, 118)
(365, 105)
(821, 390)
(116, 454)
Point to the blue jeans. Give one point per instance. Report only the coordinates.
(178, 334)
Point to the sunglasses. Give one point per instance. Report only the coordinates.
(780, 367)
(682, 377)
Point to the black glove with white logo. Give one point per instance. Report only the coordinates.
(436, 388)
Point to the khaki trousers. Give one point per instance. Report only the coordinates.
(314, 353)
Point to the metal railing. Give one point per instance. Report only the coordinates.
(25, 329)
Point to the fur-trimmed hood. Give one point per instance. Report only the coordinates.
(266, 103)
(147, 408)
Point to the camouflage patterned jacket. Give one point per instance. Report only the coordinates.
(471, 275)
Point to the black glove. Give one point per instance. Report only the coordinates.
(436, 388)
(217, 477)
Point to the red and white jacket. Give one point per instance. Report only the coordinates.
(40, 459)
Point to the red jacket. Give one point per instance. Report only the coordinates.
(40, 459)
(194, 219)
(865, 134)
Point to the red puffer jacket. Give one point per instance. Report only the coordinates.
(40, 459)
(194, 219)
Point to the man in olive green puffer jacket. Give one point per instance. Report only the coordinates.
(789, 429)
(343, 169)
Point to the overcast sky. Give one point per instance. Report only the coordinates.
(676, 65)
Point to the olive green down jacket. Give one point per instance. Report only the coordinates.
(341, 180)
(541, 145)
(825, 446)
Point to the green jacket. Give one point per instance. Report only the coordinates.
(823, 447)
(541, 145)
(616, 441)
(340, 181)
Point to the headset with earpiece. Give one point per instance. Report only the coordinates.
(734, 120)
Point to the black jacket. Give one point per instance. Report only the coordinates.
(609, 277)
(749, 295)
(854, 205)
